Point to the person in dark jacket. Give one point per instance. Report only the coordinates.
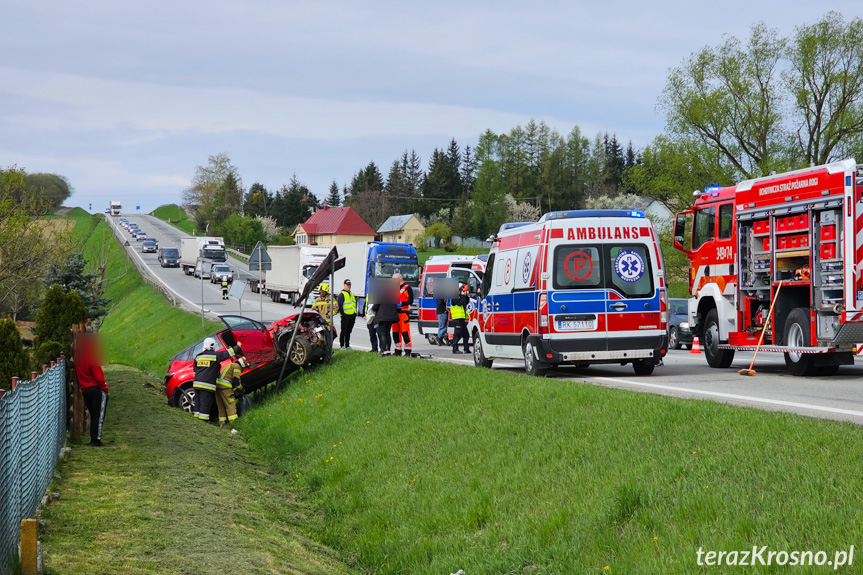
(441, 311)
(208, 367)
(386, 314)
(347, 304)
(91, 380)
(458, 309)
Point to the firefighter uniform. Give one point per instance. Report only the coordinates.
(224, 288)
(402, 328)
(325, 304)
(207, 368)
(226, 399)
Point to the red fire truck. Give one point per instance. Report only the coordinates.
(794, 238)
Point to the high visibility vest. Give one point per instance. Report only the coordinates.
(350, 305)
(457, 311)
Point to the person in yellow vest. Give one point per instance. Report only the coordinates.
(224, 288)
(348, 313)
(228, 388)
(458, 314)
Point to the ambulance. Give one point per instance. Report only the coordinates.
(465, 268)
(576, 288)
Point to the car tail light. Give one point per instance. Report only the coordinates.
(663, 308)
(543, 313)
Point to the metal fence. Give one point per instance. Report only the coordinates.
(32, 433)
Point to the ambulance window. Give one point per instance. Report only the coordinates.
(705, 227)
(631, 273)
(725, 221)
(577, 267)
(429, 282)
(489, 271)
(472, 284)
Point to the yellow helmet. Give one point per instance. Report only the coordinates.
(325, 288)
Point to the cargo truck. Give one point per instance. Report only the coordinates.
(292, 268)
(115, 208)
(366, 261)
(210, 248)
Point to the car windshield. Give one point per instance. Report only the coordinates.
(678, 307)
(386, 269)
(221, 269)
(309, 271)
(150, 241)
(170, 253)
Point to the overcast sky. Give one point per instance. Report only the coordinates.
(125, 99)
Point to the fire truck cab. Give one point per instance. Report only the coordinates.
(790, 240)
(577, 287)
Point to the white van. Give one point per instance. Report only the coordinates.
(577, 287)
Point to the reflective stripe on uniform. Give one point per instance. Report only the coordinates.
(223, 383)
(204, 385)
(232, 417)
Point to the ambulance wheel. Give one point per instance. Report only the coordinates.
(643, 366)
(716, 357)
(532, 366)
(479, 358)
(797, 335)
(673, 339)
(432, 339)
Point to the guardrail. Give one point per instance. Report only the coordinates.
(32, 433)
(146, 277)
(238, 255)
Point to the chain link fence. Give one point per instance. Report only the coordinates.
(32, 433)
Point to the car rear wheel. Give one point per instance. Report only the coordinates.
(185, 399)
(300, 352)
(532, 366)
(673, 338)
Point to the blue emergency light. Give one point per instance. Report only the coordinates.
(592, 214)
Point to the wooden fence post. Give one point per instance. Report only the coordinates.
(28, 547)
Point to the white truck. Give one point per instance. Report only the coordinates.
(115, 208)
(368, 261)
(210, 248)
(292, 268)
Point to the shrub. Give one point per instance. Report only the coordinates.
(14, 361)
(46, 353)
(450, 247)
(60, 311)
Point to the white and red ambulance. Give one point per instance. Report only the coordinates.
(465, 268)
(577, 287)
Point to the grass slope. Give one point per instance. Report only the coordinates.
(171, 495)
(175, 215)
(142, 330)
(419, 467)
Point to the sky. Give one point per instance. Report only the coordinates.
(126, 99)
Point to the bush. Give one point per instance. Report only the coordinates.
(46, 353)
(450, 247)
(237, 229)
(14, 361)
(60, 311)
(281, 240)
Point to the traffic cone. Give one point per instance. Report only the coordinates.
(694, 347)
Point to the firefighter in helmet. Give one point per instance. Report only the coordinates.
(207, 370)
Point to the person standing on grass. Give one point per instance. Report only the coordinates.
(370, 323)
(386, 315)
(207, 368)
(347, 304)
(228, 389)
(91, 380)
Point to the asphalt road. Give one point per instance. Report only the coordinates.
(683, 374)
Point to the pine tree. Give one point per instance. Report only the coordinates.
(334, 200)
(468, 171)
(71, 277)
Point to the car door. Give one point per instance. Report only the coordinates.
(633, 301)
(255, 339)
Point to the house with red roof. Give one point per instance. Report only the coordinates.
(331, 226)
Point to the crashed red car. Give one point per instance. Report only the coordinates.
(263, 347)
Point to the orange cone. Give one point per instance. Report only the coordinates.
(694, 347)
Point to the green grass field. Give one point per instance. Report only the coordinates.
(419, 467)
(174, 214)
(171, 495)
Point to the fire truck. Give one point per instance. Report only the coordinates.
(794, 240)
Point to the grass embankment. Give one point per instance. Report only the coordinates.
(420, 467)
(171, 495)
(175, 215)
(142, 330)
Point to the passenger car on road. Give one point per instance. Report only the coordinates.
(264, 348)
(169, 257)
(679, 333)
(150, 246)
(140, 236)
(219, 272)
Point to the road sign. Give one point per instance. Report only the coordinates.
(236, 290)
(260, 259)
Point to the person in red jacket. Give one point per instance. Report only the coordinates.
(91, 380)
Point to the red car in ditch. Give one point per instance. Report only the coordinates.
(264, 348)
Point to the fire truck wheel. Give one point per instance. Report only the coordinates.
(719, 358)
(797, 335)
(643, 366)
(673, 339)
(827, 370)
(532, 366)
(479, 359)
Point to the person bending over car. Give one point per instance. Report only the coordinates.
(207, 364)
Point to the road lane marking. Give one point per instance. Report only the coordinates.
(722, 395)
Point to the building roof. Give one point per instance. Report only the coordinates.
(342, 220)
(394, 223)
